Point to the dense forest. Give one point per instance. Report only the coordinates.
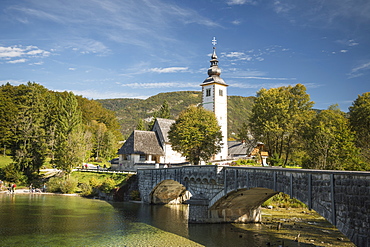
(37, 124)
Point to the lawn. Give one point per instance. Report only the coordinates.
(5, 160)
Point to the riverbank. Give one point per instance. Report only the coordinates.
(27, 191)
(302, 226)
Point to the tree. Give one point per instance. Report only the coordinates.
(196, 134)
(70, 136)
(277, 116)
(164, 112)
(330, 142)
(28, 143)
(8, 111)
(140, 125)
(359, 116)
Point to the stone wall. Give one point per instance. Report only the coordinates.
(233, 194)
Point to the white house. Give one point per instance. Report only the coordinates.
(147, 149)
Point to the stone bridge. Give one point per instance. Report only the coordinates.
(234, 194)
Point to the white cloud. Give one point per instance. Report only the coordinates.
(267, 78)
(241, 2)
(13, 82)
(343, 51)
(280, 7)
(169, 70)
(359, 70)
(21, 52)
(347, 42)
(22, 60)
(139, 22)
(161, 85)
(237, 55)
(72, 69)
(10, 52)
(37, 63)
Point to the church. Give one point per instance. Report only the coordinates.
(145, 149)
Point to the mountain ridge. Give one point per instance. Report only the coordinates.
(129, 111)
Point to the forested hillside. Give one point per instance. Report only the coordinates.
(129, 111)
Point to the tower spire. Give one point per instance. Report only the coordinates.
(214, 99)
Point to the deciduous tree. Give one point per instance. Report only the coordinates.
(359, 116)
(329, 142)
(196, 134)
(277, 116)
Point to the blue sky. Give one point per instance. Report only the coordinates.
(139, 48)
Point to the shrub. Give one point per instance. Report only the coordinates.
(69, 185)
(135, 195)
(107, 185)
(86, 189)
(94, 182)
(243, 162)
(284, 201)
(62, 184)
(54, 184)
(12, 174)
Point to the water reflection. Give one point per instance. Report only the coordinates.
(46, 220)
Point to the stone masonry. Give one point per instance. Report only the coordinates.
(234, 194)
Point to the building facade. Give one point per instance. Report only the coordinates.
(214, 98)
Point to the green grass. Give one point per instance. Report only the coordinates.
(4, 161)
(86, 177)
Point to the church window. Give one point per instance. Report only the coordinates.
(208, 92)
(221, 93)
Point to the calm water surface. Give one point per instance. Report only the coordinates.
(47, 220)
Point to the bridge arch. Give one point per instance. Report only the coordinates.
(242, 205)
(169, 192)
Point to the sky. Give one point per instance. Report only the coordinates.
(103, 49)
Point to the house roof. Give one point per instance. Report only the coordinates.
(239, 148)
(165, 125)
(141, 142)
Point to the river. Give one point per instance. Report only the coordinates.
(56, 220)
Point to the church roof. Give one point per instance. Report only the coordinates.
(165, 125)
(239, 148)
(141, 142)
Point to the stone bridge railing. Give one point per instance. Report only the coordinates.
(234, 194)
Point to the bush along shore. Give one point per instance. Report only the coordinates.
(108, 186)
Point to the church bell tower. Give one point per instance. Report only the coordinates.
(214, 99)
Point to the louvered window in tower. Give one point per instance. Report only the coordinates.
(208, 92)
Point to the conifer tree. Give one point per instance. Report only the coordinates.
(29, 147)
(140, 125)
(70, 141)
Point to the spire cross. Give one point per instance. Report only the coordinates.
(214, 41)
